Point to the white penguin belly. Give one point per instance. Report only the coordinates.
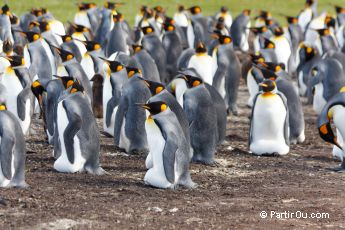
(338, 120)
(26, 123)
(124, 141)
(27, 58)
(61, 71)
(282, 50)
(204, 66)
(62, 164)
(181, 88)
(319, 101)
(88, 66)
(253, 88)
(268, 126)
(110, 129)
(302, 86)
(81, 18)
(155, 176)
(337, 152)
(190, 35)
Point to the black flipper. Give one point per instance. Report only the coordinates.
(120, 115)
(252, 119)
(286, 124)
(23, 96)
(112, 103)
(6, 149)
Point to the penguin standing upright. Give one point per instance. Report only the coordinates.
(239, 31)
(112, 90)
(13, 151)
(129, 132)
(148, 66)
(202, 117)
(155, 48)
(77, 132)
(269, 125)
(260, 31)
(116, 40)
(5, 22)
(224, 13)
(296, 36)
(20, 100)
(228, 72)
(169, 149)
(282, 46)
(200, 26)
(306, 15)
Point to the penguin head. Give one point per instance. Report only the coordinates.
(67, 81)
(169, 20)
(14, 20)
(154, 87)
(268, 86)
(118, 17)
(264, 14)
(257, 58)
(114, 66)
(7, 47)
(223, 39)
(79, 28)
(155, 108)
(278, 31)
(33, 24)
(86, 6)
(44, 26)
(224, 10)
(200, 48)
(66, 38)
(168, 27)
(137, 48)
(326, 132)
(16, 60)
(91, 45)
(274, 67)
(37, 89)
(148, 30)
(309, 3)
(180, 8)
(64, 54)
(112, 5)
(76, 87)
(246, 12)
(37, 12)
(194, 10)
(269, 22)
(31, 36)
(330, 21)
(3, 107)
(267, 73)
(307, 52)
(268, 44)
(292, 20)
(323, 32)
(131, 71)
(339, 9)
(192, 81)
(258, 30)
(158, 9)
(5, 10)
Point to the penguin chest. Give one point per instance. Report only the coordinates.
(13, 89)
(61, 71)
(81, 18)
(155, 176)
(268, 126)
(282, 50)
(204, 66)
(27, 58)
(253, 88)
(62, 164)
(88, 66)
(338, 120)
(319, 101)
(190, 35)
(302, 86)
(180, 89)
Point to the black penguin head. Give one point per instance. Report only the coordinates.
(118, 17)
(112, 5)
(267, 73)
(257, 58)
(192, 81)
(7, 47)
(292, 20)
(268, 44)
(258, 30)
(158, 9)
(31, 36)
(195, 10)
(224, 9)
(114, 66)
(323, 32)
(155, 87)
(180, 8)
(79, 28)
(246, 12)
(278, 31)
(131, 71)
(223, 39)
(268, 85)
(86, 5)
(274, 67)
(168, 27)
(44, 26)
(16, 60)
(148, 29)
(269, 22)
(326, 133)
(168, 20)
(200, 48)
(14, 20)
(76, 87)
(6, 10)
(137, 48)
(37, 12)
(309, 3)
(67, 81)
(155, 107)
(37, 89)
(64, 54)
(33, 24)
(91, 45)
(339, 9)
(308, 52)
(264, 14)
(330, 21)
(66, 38)
(3, 107)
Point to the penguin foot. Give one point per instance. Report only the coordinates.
(338, 169)
(99, 171)
(106, 134)
(22, 185)
(275, 154)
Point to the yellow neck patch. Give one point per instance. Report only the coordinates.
(2, 107)
(342, 90)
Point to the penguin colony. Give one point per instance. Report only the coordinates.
(166, 86)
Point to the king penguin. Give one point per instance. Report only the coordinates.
(148, 66)
(169, 149)
(13, 151)
(239, 31)
(269, 125)
(78, 136)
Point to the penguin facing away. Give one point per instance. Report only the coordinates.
(169, 149)
(77, 134)
(13, 151)
(269, 125)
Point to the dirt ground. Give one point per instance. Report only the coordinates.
(229, 196)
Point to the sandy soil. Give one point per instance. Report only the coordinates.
(229, 196)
